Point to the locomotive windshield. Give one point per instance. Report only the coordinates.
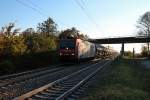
(67, 44)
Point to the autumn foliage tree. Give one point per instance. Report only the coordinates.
(47, 27)
(45, 38)
(144, 26)
(31, 47)
(72, 33)
(144, 51)
(14, 44)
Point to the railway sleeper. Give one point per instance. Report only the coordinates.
(53, 95)
(30, 99)
(69, 82)
(55, 88)
(69, 98)
(73, 97)
(68, 85)
(48, 96)
(3, 87)
(53, 91)
(16, 84)
(75, 79)
(60, 86)
(67, 88)
(44, 97)
(50, 92)
(40, 97)
(78, 93)
(58, 89)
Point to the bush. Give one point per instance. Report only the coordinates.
(35, 60)
(6, 67)
(29, 61)
(128, 54)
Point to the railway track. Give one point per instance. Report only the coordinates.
(64, 88)
(25, 76)
(26, 84)
(5, 77)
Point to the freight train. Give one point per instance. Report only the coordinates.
(79, 50)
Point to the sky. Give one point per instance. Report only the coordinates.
(96, 18)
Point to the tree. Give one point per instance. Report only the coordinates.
(144, 26)
(144, 51)
(47, 27)
(128, 54)
(9, 31)
(42, 43)
(18, 46)
(13, 45)
(28, 32)
(72, 33)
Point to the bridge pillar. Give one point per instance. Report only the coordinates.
(122, 49)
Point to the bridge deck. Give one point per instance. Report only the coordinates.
(121, 40)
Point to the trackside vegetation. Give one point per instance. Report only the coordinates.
(127, 80)
(31, 48)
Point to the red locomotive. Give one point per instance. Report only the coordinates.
(76, 49)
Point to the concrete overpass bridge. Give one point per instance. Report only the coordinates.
(121, 40)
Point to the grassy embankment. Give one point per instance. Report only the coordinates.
(125, 81)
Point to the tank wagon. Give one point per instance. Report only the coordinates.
(76, 50)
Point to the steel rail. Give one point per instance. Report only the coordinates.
(81, 83)
(26, 72)
(24, 78)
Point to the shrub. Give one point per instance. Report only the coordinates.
(6, 67)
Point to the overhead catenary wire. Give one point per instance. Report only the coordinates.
(31, 7)
(82, 2)
(87, 13)
(36, 8)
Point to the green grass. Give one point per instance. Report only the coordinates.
(126, 80)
